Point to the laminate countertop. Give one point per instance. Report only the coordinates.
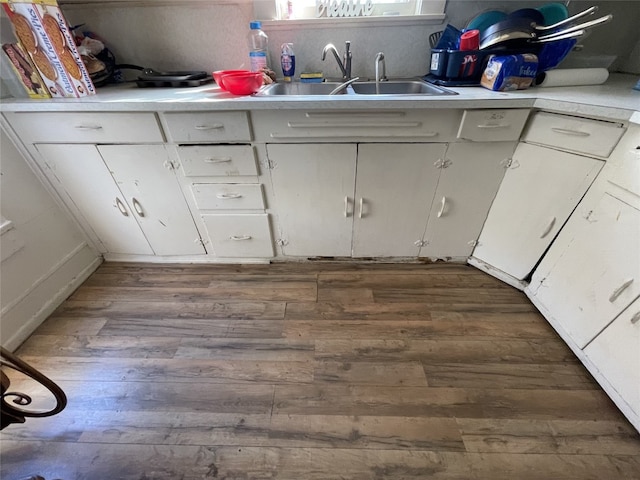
(614, 100)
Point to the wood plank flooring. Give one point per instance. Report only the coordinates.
(311, 371)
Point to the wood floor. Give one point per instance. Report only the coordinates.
(312, 371)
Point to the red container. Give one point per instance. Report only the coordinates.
(242, 83)
(470, 40)
(217, 76)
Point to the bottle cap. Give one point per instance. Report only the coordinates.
(255, 25)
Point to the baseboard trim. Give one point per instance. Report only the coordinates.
(24, 315)
(499, 274)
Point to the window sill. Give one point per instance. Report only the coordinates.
(389, 20)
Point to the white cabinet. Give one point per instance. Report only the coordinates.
(314, 186)
(539, 191)
(615, 353)
(395, 184)
(470, 175)
(596, 274)
(126, 195)
(85, 184)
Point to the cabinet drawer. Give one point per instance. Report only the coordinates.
(220, 196)
(327, 125)
(207, 127)
(624, 163)
(615, 354)
(239, 235)
(498, 125)
(217, 160)
(79, 127)
(593, 137)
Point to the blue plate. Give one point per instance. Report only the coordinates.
(553, 13)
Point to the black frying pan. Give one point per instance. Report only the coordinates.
(517, 32)
(521, 28)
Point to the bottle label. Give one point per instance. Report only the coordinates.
(288, 65)
(258, 60)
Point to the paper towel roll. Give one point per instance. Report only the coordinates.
(568, 77)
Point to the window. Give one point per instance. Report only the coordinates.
(341, 9)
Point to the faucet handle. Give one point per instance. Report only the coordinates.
(347, 47)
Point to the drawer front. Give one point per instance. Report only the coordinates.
(624, 164)
(497, 125)
(239, 235)
(208, 127)
(328, 125)
(581, 135)
(221, 196)
(217, 160)
(86, 127)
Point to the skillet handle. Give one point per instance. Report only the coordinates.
(566, 21)
(576, 28)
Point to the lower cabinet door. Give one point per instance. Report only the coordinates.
(597, 274)
(242, 235)
(86, 185)
(616, 354)
(154, 196)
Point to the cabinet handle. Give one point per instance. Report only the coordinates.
(138, 207)
(228, 196)
(443, 202)
(215, 126)
(500, 125)
(636, 318)
(549, 228)
(239, 238)
(566, 131)
(618, 291)
(361, 213)
(218, 160)
(346, 207)
(88, 127)
(121, 207)
(346, 124)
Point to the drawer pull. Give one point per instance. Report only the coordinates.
(88, 127)
(121, 207)
(228, 196)
(636, 318)
(500, 125)
(138, 207)
(618, 291)
(346, 207)
(360, 125)
(217, 160)
(443, 203)
(240, 238)
(566, 131)
(549, 228)
(215, 126)
(361, 212)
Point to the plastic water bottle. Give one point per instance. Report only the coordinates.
(258, 42)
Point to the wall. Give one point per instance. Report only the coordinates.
(213, 36)
(47, 256)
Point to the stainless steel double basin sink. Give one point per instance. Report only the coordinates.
(391, 87)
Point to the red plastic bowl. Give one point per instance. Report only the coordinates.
(217, 76)
(242, 83)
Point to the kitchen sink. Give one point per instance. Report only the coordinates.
(296, 88)
(400, 87)
(392, 87)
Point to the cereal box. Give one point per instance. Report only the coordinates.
(25, 71)
(43, 33)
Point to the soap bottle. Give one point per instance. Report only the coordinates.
(288, 61)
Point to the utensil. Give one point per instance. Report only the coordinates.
(217, 76)
(242, 83)
(433, 38)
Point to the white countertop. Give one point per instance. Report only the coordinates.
(614, 100)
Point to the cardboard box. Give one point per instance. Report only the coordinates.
(43, 33)
(25, 71)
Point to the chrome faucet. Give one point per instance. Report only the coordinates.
(379, 77)
(345, 64)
